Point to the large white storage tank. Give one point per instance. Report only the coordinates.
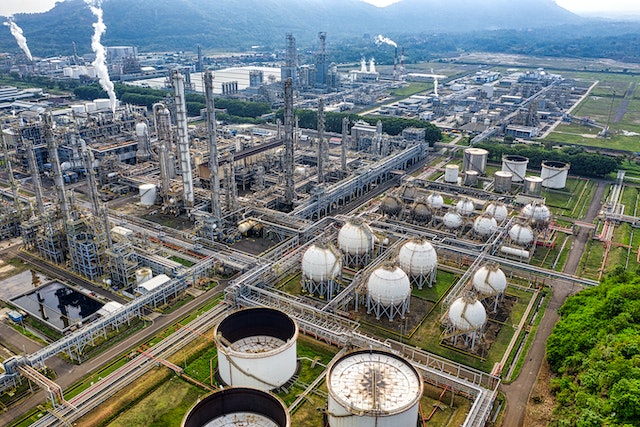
(521, 235)
(452, 220)
(537, 214)
(388, 292)
(502, 181)
(484, 225)
(368, 388)
(356, 240)
(475, 159)
(418, 258)
(451, 173)
(554, 174)
(256, 348)
(465, 207)
(435, 201)
(148, 193)
(497, 210)
(238, 406)
(533, 185)
(466, 319)
(489, 280)
(321, 270)
(515, 164)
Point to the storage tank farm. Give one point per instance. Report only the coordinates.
(257, 348)
(321, 270)
(368, 388)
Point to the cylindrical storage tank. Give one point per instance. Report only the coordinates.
(471, 178)
(502, 181)
(238, 406)
(475, 159)
(554, 174)
(420, 212)
(391, 205)
(321, 262)
(533, 185)
(417, 257)
(435, 201)
(388, 285)
(78, 108)
(141, 129)
(515, 164)
(355, 237)
(148, 193)
(143, 274)
(538, 215)
(102, 103)
(256, 348)
(467, 314)
(489, 280)
(373, 388)
(91, 107)
(484, 225)
(451, 173)
(497, 210)
(452, 220)
(465, 207)
(521, 235)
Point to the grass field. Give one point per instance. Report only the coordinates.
(411, 89)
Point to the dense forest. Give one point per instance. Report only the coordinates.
(582, 162)
(595, 352)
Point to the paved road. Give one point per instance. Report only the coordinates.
(519, 390)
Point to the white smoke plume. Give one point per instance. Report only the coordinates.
(16, 31)
(100, 63)
(380, 39)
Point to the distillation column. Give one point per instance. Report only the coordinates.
(35, 174)
(343, 157)
(289, 191)
(52, 145)
(183, 138)
(321, 146)
(214, 179)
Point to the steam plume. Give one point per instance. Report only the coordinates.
(100, 63)
(16, 31)
(380, 39)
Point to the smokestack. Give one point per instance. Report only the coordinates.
(289, 191)
(395, 64)
(200, 66)
(345, 130)
(76, 60)
(183, 138)
(402, 65)
(372, 65)
(321, 153)
(214, 179)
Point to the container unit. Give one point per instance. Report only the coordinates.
(466, 319)
(516, 165)
(532, 185)
(371, 388)
(148, 194)
(475, 159)
(490, 282)
(256, 348)
(388, 292)
(238, 406)
(554, 174)
(497, 210)
(321, 271)
(419, 260)
(451, 174)
(471, 178)
(356, 241)
(502, 181)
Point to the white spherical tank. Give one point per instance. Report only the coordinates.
(475, 159)
(465, 207)
(435, 201)
(368, 388)
(515, 164)
(452, 220)
(148, 193)
(521, 234)
(497, 210)
(355, 237)
(451, 173)
(467, 314)
(256, 348)
(537, 214)
(484, 225)
(321, 262)
(238, 406)
(532, 185)
(554, 174)
(417, 257)
(388, 285)
(143, 274)
(489, 280)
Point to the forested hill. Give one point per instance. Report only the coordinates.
(232, 24)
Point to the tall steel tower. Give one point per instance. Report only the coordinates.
(289, 191)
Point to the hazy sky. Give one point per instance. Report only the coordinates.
(608, 7)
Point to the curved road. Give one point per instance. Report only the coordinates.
(519, 390)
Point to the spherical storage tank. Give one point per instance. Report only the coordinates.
(554, 174)
(435, 201)
(238, 406)
(147, 194)
(475, 159)
(502, 181)
(256, 348)
(420, 211)
(489, 280)
(515, 164)
(497, 210)
(451, 173)
(465, 207)
(321, 262)
(388, 285)
(452, 220)
(521, 234)
(467, 314)
(417, 257)
(391, 205)
(368, 388)
(537, 214)
(484, 225)
(355, 237)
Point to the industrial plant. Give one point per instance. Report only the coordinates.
(394, 254)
